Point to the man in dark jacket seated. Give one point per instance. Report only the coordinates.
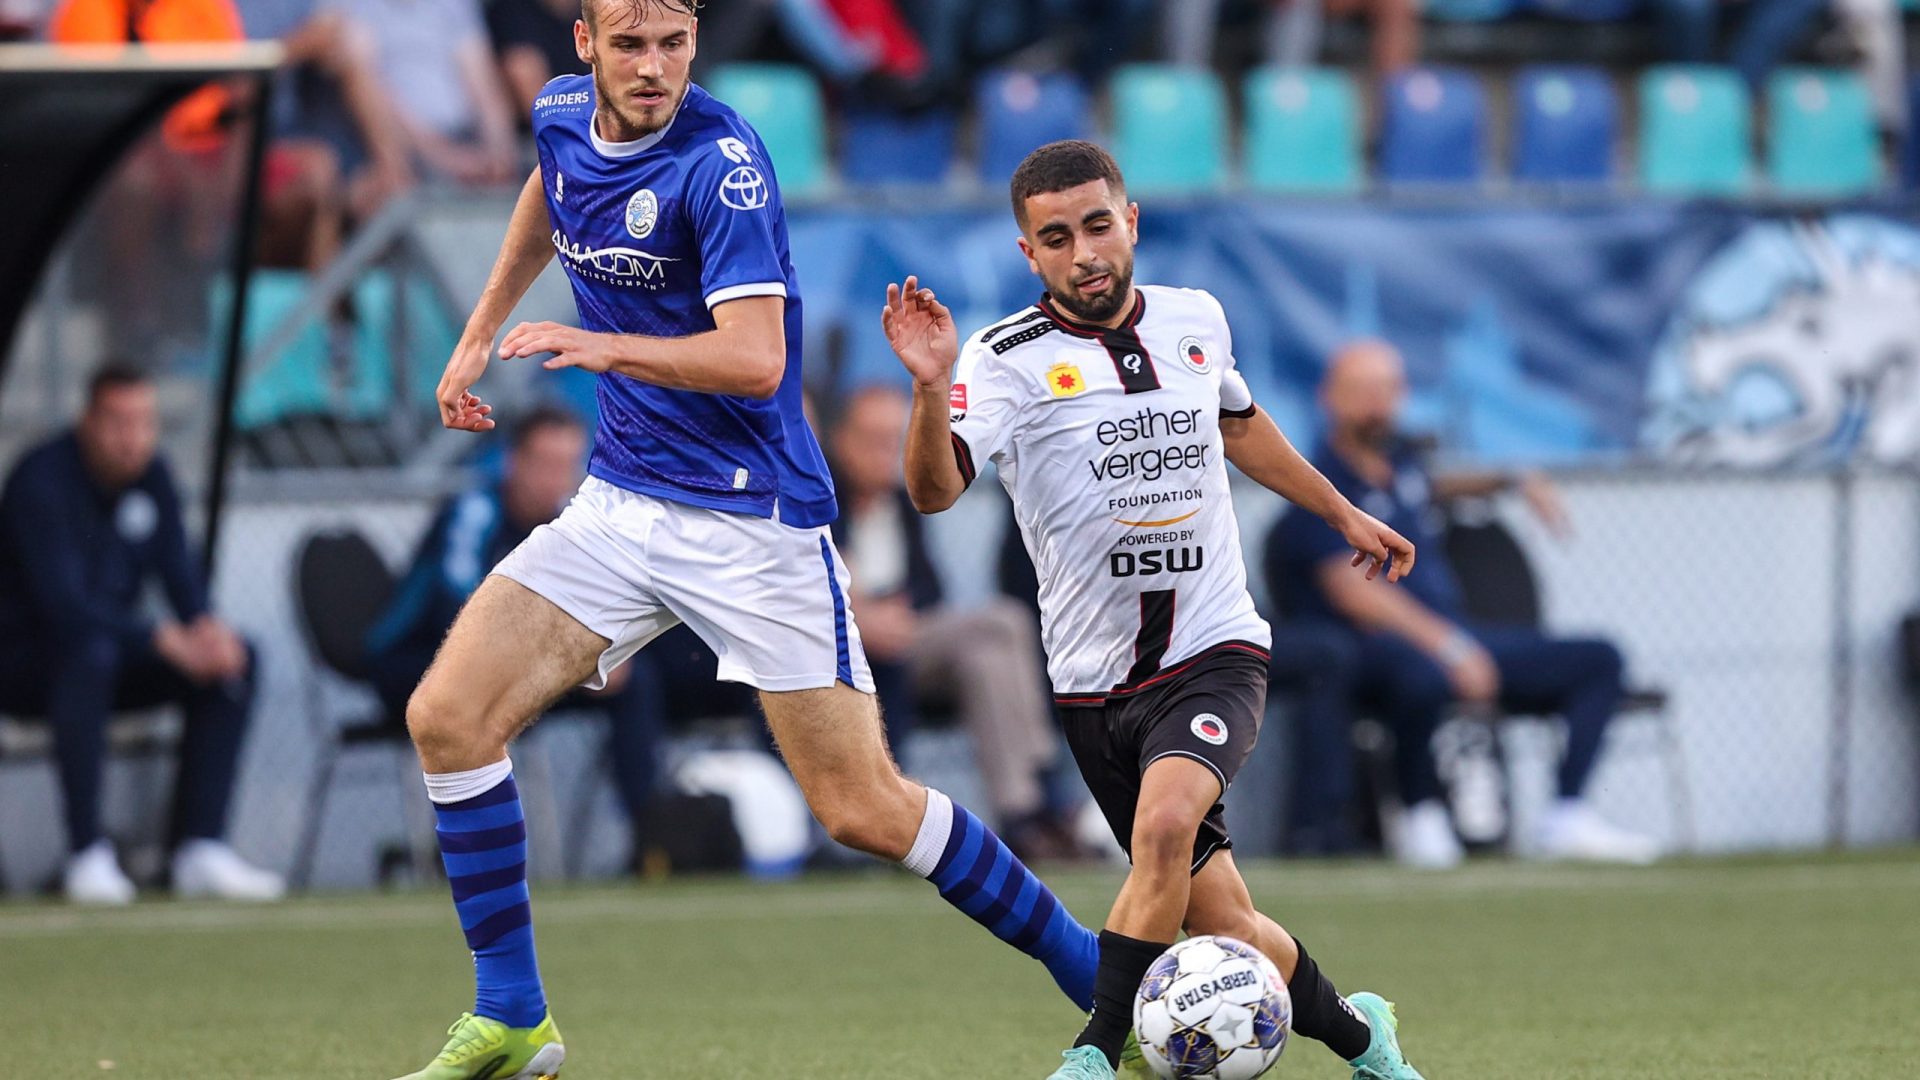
(1418, 653)
(473, 531)
(985, 659)
(88, 522)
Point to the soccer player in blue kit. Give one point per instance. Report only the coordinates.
(707, 502)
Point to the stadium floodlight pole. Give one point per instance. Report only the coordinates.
(245, 232)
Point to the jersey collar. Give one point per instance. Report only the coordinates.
(633, 147)
(1091, 330)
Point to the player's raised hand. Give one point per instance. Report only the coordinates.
(459, 408)
(921, 331)
(570, 346)
(1377, 546)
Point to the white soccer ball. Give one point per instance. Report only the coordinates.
(1212, 1008)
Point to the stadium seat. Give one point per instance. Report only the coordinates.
(1910, 158)
(879, 147)
(298, 380)
(1020, 111)
(1469, 10)
(1433, 127)
(1821, 138)
(1695, 131)
(1303, 130)
(1565, 119)
(1594, 11)
(431, 332)
(1170, 128)
(783, 104)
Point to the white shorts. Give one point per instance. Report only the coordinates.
(769, 599)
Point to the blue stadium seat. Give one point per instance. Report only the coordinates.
(1170, 128)
(1565, 119)
(880, 147)
(1696, 131)
(1594, 11)
(783, 104)
(1433, 127)
(1303, 130)
(1020, 112)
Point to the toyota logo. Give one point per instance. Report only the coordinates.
(744, 189)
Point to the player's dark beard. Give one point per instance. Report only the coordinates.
(636, 127)
(1100, 308)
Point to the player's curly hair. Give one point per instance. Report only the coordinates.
(639, 7)
(1058, 166)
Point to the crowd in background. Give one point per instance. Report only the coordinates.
(382, 95)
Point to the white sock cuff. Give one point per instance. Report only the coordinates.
(453, 787)
(931, 842)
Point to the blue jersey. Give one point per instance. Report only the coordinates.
(654, 234)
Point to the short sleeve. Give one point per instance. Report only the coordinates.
(985, 408)
(736, 215)
(1235, 398)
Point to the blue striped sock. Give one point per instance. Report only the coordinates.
(976, 873)
(483, 841)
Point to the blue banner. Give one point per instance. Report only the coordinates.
(1694, 332)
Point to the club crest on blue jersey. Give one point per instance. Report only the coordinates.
(642, 211)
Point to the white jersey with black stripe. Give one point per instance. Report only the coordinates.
(1108, 440)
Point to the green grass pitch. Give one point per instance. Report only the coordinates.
(1798, 968)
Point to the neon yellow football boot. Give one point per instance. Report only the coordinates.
(486, 1049)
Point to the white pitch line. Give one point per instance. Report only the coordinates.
(1272, 883)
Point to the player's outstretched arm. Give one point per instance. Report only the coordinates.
(744, 355)
(523, 254)
(1257, 447)
(922, 334)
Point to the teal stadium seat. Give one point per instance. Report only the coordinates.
(1170, 129)
(431, 333)
(297, 382)
(1696, 131)
(783, 104)
(1303, 130)
(1820, 134)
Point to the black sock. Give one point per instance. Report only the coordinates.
(1123, 964)
(1319, 1012)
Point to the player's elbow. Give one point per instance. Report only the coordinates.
(764, 376)
(931, 498)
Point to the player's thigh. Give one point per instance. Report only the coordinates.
(769, 599)
(835, 746)
(510, 654)
(1176, 795)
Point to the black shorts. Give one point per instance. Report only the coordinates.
(1208, 709)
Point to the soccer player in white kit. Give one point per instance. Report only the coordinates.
(707, 502)
(1110, 412)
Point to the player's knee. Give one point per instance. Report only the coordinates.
(1163, 835)
(863, 825)
(1240, 924)
(441, 725)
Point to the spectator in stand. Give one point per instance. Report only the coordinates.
(546, 455)
(987, 659)
(1293, 30)
(1769, 31)
(329, 105)
(178, 176)
(534, 40)
(88, 522)
(437, 69)
(1417, 653)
